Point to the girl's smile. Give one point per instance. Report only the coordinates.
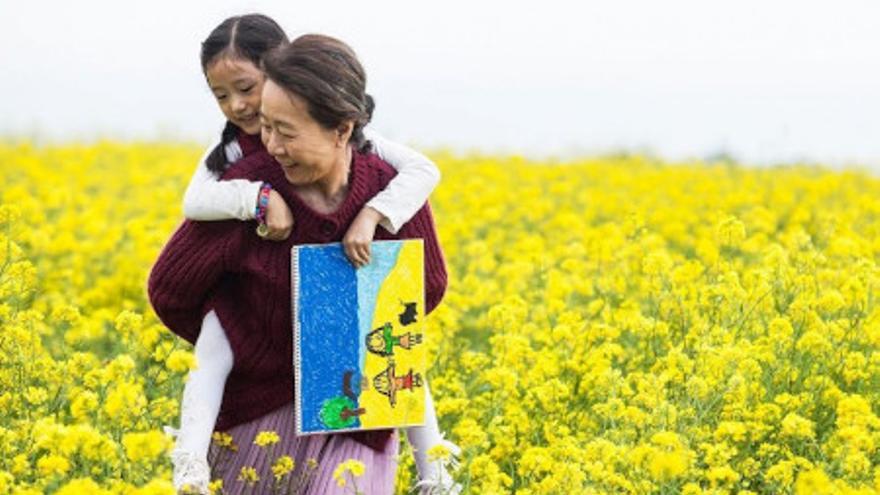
(237, 85)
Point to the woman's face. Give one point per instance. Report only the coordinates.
(305, 149)
(237, 85)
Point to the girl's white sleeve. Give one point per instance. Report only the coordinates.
(209, 198)
(416, 177)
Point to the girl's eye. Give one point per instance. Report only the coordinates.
(247, 89)
(220, 97)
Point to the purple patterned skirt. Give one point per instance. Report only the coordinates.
(315, 458)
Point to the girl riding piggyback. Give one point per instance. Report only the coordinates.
(231, 61)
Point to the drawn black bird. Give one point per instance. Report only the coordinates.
(409, 313)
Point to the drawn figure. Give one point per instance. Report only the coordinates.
(409, 313)
(387, 383)
(381, 341)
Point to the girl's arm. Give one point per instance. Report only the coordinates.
(209, 198)
(416, 177)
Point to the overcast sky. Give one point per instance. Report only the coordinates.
(764, 80)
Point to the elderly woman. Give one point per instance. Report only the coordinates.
(313, 112)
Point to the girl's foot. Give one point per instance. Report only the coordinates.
(191, 474)
(434, 477)
(442, 485)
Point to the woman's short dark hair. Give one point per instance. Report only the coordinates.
(248, 37)
(326, 73)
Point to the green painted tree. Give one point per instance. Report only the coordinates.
(340, 412)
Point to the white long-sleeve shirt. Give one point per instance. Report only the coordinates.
(208, 198)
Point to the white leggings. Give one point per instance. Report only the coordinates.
(203, 393)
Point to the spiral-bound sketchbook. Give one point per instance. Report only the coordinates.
(359, 353)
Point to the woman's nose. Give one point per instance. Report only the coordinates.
(273, 146)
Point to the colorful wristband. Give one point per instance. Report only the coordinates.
(263, 202)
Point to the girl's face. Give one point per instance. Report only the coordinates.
(306, 150)
(237, 85)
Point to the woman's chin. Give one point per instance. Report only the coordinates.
(294, 176)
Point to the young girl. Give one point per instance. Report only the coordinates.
(230, 59)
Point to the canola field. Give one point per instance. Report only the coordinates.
(613, 325)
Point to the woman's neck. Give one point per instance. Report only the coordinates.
(326, 194)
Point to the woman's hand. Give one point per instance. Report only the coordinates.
(356, 242)
(279, 218)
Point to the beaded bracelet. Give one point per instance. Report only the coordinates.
(262, 206)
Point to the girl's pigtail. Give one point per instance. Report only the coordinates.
(216, 161)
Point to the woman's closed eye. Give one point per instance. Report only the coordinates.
(267, 128)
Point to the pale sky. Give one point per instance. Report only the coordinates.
(765, 80)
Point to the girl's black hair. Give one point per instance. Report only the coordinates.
(249, 37)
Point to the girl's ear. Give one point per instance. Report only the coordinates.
(343, 133)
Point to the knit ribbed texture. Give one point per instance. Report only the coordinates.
(225, 266)
(249, 143)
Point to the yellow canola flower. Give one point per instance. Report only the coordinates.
(216, 486)
(181, 361)
(81, 486)
(124, 403)
(813, 482)
(795, 426)
(439, 452)
(145, 446)
(616, 324)
(266, 438)
(156, 487)
(352, 467)
(53, 465)
(248, 474)
(282, 466)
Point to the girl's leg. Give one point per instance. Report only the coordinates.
(433, 476)
(200, 406)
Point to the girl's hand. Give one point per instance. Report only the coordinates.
(356, 242)
(279, 218)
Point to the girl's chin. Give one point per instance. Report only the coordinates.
(252, 128)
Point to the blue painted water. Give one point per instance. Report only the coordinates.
(328, 318)
(383, 257)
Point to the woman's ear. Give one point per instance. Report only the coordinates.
(343, 133)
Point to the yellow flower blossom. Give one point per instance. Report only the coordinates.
(349, 467)
(282, 466)
(266, 438)
(249, 475)
(52, 465)
(145, 446)
(181, 361)
(613, 324)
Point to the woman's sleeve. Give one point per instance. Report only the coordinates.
(188, 269)
(422, 227)
(209, 198)
(416, 177)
